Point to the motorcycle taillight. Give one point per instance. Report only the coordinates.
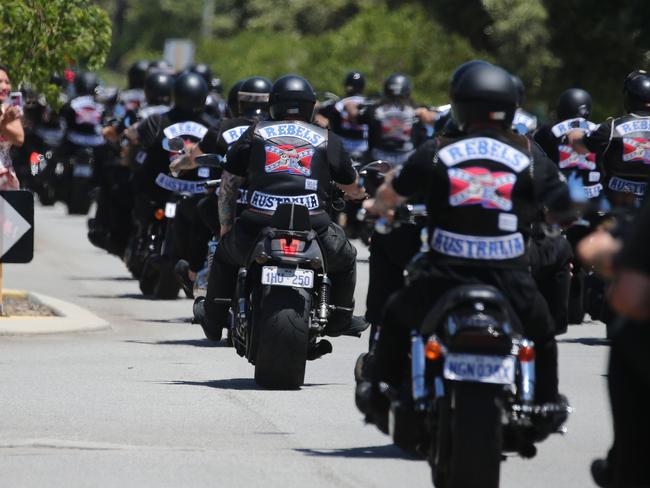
(289, 247)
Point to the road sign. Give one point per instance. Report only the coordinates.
(179, 53)
(17, 223)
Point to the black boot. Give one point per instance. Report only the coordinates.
(212, 332)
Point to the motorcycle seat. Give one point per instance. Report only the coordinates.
(465, 295)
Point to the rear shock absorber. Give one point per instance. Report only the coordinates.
(324, 300)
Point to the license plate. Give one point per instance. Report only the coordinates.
(299, 278)
(170, 210)
(480, 369)
(82, 170)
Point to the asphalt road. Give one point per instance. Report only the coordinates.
(150, 403)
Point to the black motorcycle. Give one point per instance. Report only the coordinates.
(471, 398)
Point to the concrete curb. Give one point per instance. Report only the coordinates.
(70, 318)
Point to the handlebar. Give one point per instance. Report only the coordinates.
(404, 214)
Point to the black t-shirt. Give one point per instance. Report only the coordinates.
(191, 127)
(482, 203)
(289, 161)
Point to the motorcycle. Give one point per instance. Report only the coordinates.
(157, 273)
(281, 306)
(471, 395)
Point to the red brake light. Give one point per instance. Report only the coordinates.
(290, 247)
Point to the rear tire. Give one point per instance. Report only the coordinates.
(167, 286)
(148, 277)
(476, 436)
(282, 338)
(79, 202)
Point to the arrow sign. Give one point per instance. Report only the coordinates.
(17, 225)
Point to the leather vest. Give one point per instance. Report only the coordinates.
(288, 165)
(627, 159)
(490, 194)
(570, 161)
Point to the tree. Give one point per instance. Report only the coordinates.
(41, 37)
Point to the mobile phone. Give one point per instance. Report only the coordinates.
(16, 99)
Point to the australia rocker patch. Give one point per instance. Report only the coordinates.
(479, 186)
(288, 159)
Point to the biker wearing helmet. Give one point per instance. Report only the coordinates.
(392, 130)
(573, 108)
(482, 190)
(215, 104)
(314, 157)
(233, 98)
(353, 135)
(523, 122)
(253, 102)
(623, 144)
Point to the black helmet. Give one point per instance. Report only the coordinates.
(573, 102)
(85, 83)
(137, 74)
(253, 96)
(636, 92)
(190, 92)
(233, 98)
(202, 69)
(397, 85)
(158, 88)
(292, 97)
(160, 66)
(484, 94)
(354, 83)
(521, 90)
(458, 72)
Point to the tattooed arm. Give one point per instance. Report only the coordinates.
(228, 193)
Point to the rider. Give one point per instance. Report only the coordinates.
(391, 121)
(482, 191)
(623, 144)
(573, 108)
(186, 120)
(253, 96)
(215, 106)
(285, 158)
(354, 136)
(523, 122)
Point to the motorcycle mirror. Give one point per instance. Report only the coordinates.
(173, 145)
(379, 166)
(210, 160)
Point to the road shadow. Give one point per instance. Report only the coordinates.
(182, 342)
(389, 451)
(586, 341)
(135, 296)
(180, 320)
(244, 384)
(101, 278)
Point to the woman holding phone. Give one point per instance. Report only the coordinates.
(11, 131)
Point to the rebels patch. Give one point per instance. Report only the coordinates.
(288, 159)
(571, 159)
(480, 186)
(483, 148)
(636, 150)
